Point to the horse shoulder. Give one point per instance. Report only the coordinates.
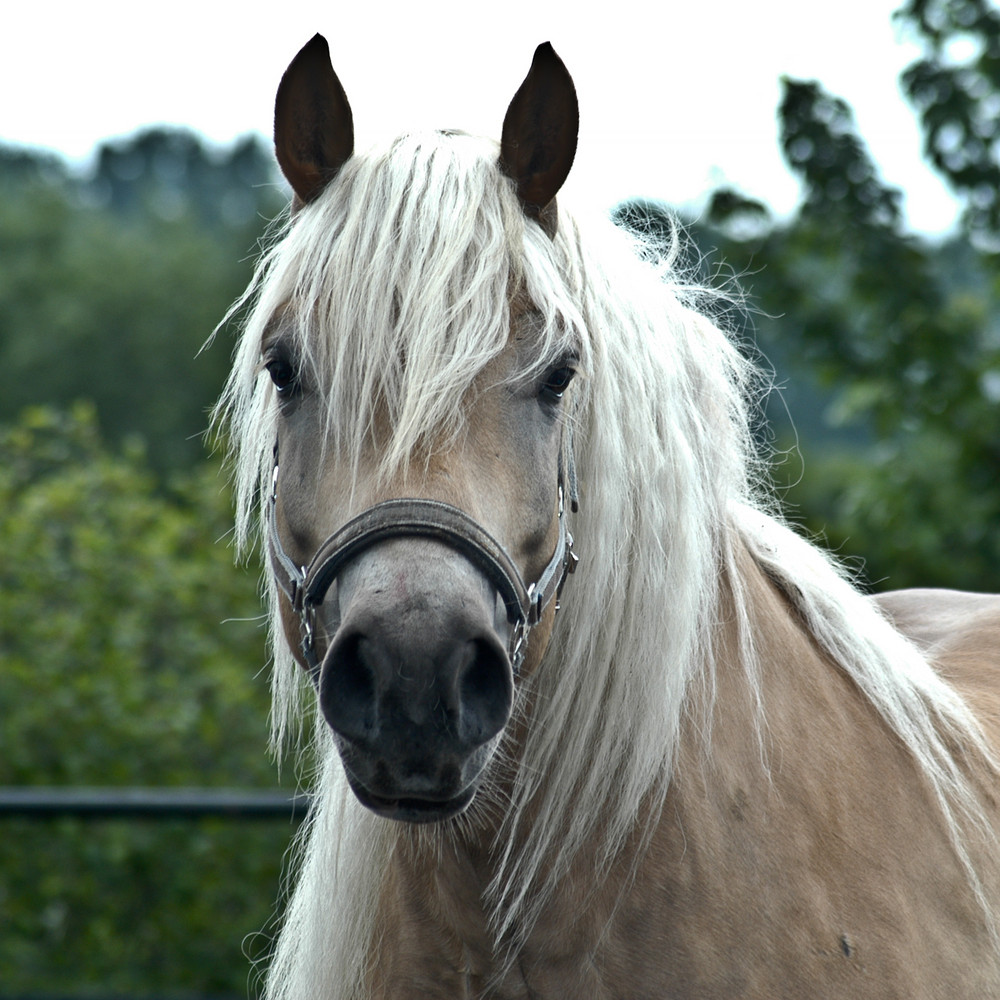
(800, 852)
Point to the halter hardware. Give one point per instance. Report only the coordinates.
(306, 586)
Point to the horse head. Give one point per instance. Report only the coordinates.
(417, 580)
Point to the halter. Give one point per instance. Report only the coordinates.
(306, 586)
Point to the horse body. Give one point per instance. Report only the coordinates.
(828, 873)
(720, 770)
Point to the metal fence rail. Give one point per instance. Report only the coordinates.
(150, 803)
(43, 802)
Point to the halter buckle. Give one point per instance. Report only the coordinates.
(308, 633)
(518, 637)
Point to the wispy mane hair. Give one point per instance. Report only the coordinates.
(395, 287)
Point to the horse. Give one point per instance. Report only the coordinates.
(588, 717)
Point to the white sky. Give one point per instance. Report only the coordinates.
(675, 98)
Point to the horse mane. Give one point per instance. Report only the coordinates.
(416, 245)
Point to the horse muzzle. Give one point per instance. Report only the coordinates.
(417, 684)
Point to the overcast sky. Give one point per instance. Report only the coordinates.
(675, 98)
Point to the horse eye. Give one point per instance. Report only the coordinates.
(557, 382)
(283, 375)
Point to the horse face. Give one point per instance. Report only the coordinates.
(412, 657)
(413, 668)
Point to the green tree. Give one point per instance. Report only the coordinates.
(955, 87)
(169, 173)
(111, 284)
(131, 651)
(901, 445)
(913, 349)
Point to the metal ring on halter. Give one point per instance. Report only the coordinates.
(306, 586)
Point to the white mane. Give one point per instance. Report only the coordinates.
(398, 276)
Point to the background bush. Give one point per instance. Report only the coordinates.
(131, 648)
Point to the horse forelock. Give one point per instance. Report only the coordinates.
(393, 291)
(399, 280)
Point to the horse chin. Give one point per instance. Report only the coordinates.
(413, 809)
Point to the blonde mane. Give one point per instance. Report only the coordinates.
(398, 276)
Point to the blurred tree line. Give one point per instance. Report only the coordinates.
(111, 282)
(132, 648)
(886, 346)
(130, 645)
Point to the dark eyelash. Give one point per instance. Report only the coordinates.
(283, 372)
(558, 381)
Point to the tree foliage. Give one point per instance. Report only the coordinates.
(887, 345)
(130, 647)
(913, 348)
(111, 283)
(955, 89)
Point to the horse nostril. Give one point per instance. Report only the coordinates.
(486, 693)
(347, 687)
(413, 681)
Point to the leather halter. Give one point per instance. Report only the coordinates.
(306, 586)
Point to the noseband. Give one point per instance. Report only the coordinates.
(306, 586)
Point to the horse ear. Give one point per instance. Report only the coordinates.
(538, 142)
(313, 124)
